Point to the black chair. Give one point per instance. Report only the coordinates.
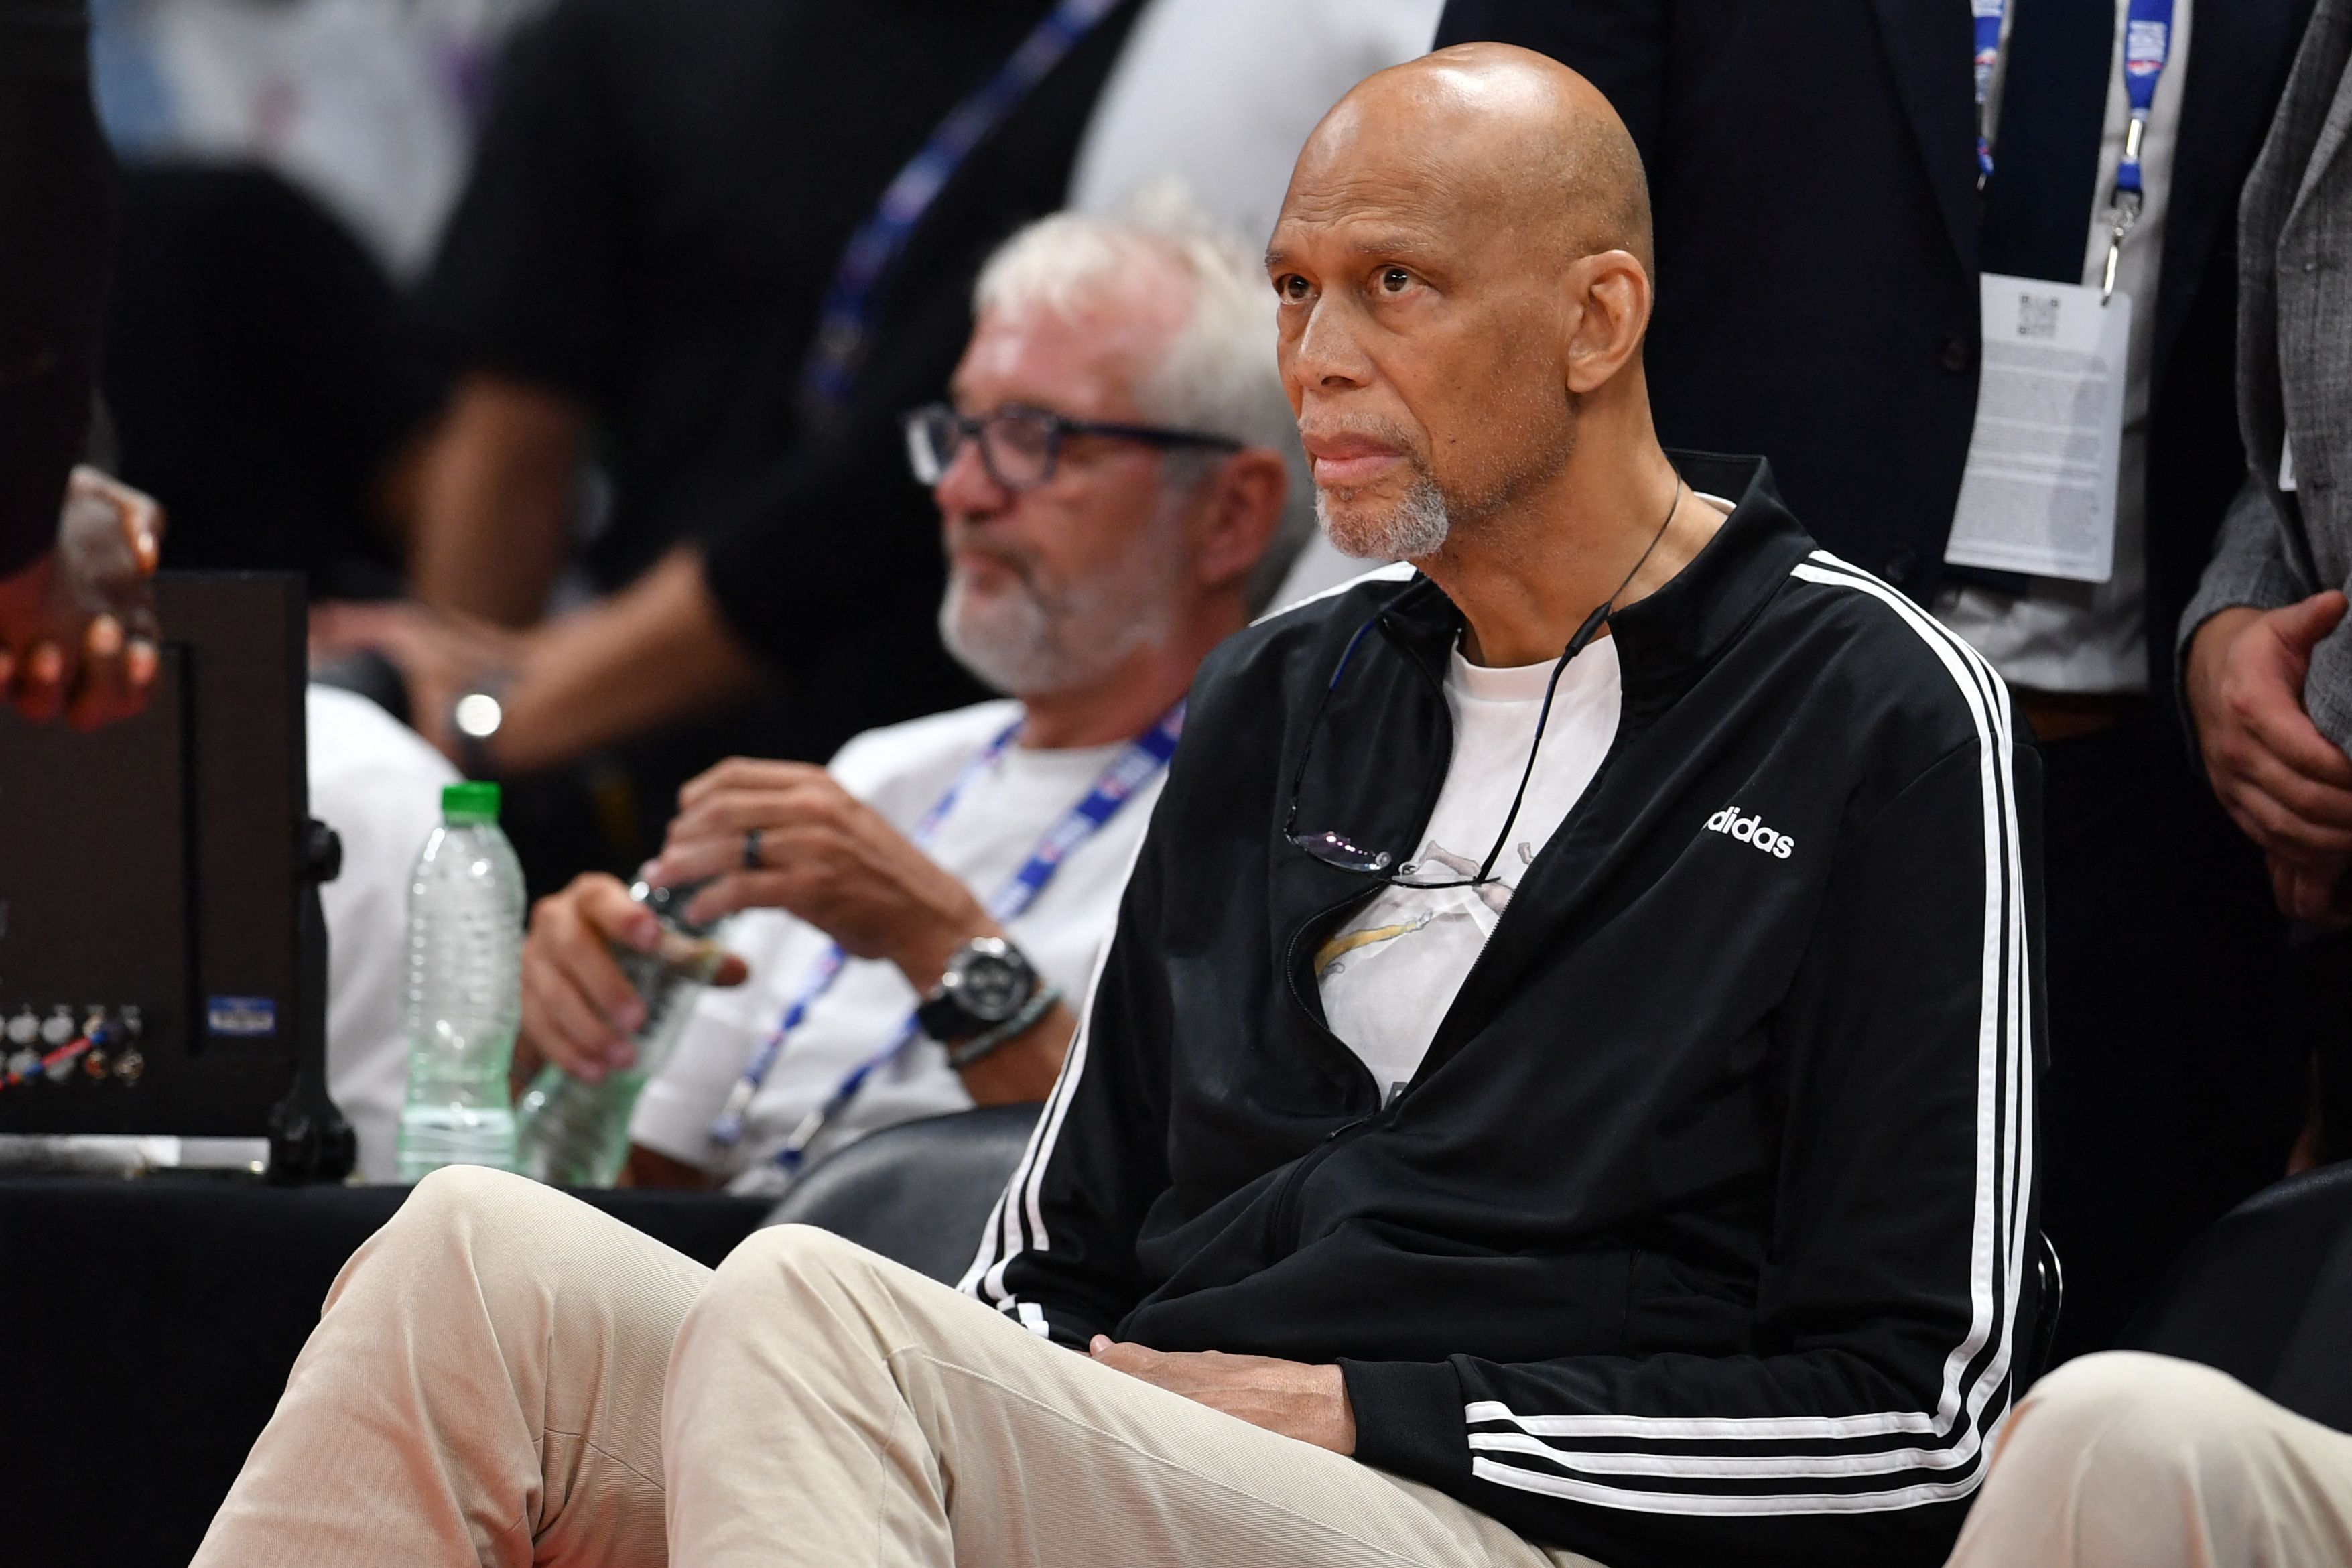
(2050, 1299)
(918, 1193)
(2267, 1295)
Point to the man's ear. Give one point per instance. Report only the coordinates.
(1243, 508)
(1609, 313)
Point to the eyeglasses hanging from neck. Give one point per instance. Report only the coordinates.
(1336, 848)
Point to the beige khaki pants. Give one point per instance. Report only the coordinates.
(2126, 1461)
(505, 1375)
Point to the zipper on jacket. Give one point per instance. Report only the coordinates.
(1308, 1008)
(1312, 1011)
(1287, 1220)
(1285, 1198)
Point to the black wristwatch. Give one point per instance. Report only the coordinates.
(987, 980)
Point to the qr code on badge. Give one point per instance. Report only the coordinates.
(2037, 316)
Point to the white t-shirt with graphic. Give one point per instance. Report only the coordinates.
(1389, 974)
(901, 772)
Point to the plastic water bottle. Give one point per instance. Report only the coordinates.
(573, 1133)
(464, 989)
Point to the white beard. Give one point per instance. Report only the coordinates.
(1412, 530)
(1027, 641)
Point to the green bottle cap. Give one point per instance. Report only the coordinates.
(471, 801)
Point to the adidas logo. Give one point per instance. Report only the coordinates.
(1751, 830)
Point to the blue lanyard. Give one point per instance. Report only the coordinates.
(1137, 765)
(845, 324)
(2148, 45)
(1988, 14)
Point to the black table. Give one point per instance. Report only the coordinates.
(150, 1326)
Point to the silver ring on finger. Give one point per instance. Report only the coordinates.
(751, 861)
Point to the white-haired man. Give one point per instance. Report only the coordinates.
(1112, 482)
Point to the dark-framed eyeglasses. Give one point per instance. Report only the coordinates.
(1021, 446)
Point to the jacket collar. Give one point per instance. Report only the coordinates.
(1929, 47)
(1389, 742)
(1664, 639)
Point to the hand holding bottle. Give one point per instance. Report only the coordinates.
(580, 1010)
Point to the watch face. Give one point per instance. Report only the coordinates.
(990, 986)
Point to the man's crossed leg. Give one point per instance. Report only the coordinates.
(506, 1376)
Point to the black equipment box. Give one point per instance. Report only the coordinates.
(153, 879)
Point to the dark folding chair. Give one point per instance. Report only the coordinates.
(2267, 1295)
(2050, 1299)
(918, 1193)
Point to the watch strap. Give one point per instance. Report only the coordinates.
(944, 1019)
(1040, 1002)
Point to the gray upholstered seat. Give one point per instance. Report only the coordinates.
(918, 1193)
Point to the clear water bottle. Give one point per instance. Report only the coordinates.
(573, 1133)
(464, 989)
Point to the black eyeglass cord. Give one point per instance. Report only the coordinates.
(1576, 645)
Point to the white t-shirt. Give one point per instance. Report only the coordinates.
(901, 772)
(1392, 970)
(378, 784)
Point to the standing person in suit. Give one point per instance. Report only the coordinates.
(2266, 656)
(1825, 223)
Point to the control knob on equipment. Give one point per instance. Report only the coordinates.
(129, 1061)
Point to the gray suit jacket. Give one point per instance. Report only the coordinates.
(2294, 367)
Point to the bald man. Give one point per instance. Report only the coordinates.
(1561, 1090)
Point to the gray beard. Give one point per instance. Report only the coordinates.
(1011, 644)
(1026, 644)
(1414, 529)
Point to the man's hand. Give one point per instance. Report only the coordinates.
(440, 655)
(825, 857)
(655, 653)
(1308, 1403)
(2283, 781)
(77, 632)
(578, 1008)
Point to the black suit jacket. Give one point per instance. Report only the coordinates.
(1812, 167)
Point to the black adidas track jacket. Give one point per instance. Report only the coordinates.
(1701, 1236)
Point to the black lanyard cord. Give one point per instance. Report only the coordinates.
(1576, 645)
